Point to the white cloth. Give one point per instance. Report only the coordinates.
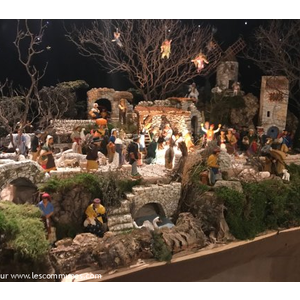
(160, 156)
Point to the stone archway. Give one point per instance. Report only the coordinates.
(104, 103)
(150, 208)
(24, 191)
(112, 96)
(148, 212)
(23, 169)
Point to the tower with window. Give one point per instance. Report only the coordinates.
(274, 98)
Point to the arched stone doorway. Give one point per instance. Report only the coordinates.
(22, 191)
(102, 95)
(148, 212)
(104, 103)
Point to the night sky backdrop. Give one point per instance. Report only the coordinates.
(65, 64)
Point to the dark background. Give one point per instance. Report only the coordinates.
(65, 64)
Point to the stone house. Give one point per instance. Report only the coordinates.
(180, 113)
(109, 99)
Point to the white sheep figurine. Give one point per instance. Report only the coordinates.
(286, 175)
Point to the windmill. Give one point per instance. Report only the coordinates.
(216, 55)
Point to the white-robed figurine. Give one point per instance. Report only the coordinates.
(193, 92)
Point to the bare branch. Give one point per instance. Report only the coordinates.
(26, 39)
(138, 54)
(277, 52)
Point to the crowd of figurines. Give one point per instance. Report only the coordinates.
(162, 147)
(152, 144)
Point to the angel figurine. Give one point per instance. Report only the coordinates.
(116, 39)
(165, 49)
(199, 61)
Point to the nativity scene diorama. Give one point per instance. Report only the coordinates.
(140, 161)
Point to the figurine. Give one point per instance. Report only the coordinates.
(95, 112)
(199, 61)
(165, 49)
(286, 175)
(116, 39)
(210, 133)
(193, 91)
(236, 88)
(122, 111)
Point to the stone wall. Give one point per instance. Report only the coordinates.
(27, 169)
(177, 121)
(67, 126)
(179, 118)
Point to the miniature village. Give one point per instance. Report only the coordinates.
(130, 183)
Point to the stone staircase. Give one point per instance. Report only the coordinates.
(120, 218)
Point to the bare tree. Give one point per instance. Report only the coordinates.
(28, 44)
(11, 108)
(54, 104)
(277, 53)
(17, 105)
(137, 51)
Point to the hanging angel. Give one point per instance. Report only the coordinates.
(199, 61)
(116, 39)
(165, 49)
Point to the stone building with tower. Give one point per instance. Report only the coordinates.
(274, 97)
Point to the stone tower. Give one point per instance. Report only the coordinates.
(227, 74)
(274, 97)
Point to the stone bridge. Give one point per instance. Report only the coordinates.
(22, 169)
(161, 199)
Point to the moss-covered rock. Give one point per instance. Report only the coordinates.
(23, 244)
(73, 85)
(22, 230)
